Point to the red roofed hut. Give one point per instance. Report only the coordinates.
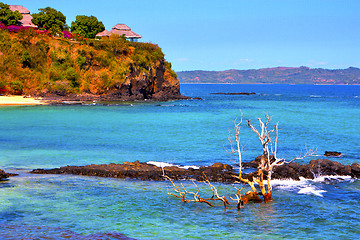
(26, 21)
(121, 29)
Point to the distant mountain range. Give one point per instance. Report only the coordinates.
(278, 75)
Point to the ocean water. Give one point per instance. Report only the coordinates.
(187, 133)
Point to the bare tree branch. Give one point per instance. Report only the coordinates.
(268, 160)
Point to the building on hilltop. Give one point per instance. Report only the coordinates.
(121, 29)
(26, 21)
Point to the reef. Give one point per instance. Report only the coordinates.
(218, 172)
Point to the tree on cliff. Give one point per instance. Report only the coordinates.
(87, 26)
(7, 16)
(50, 19)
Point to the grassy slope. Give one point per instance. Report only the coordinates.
(32, 63)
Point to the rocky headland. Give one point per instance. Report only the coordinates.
(217, 172)
(58, 69)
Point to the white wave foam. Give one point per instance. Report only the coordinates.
(303, 181)
(304, 186)
(163, 164)
(288, 182)
(311, 190)
(330, 177)
(308, 186)
(315, 96)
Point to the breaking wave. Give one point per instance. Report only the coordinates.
(163, 164)
(309, 186)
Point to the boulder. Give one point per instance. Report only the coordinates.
(355, 170)
(3, 175)
(327, 167)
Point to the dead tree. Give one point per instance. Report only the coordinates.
(268, 160)
(253, 194)
(266, 165)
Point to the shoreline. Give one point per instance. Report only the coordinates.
(15, 100)
(20, 100)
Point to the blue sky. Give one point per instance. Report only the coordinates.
(233, 34)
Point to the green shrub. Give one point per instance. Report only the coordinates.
(81, 61)
(55, 74)
(16, 87)
(26, 59)
(72, 76)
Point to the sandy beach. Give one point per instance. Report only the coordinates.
(20, 100)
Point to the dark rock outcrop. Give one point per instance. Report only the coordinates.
(155, 85)
(319, 167)
(355, 170)
(4, 175)
(218, 172)
(332, 154)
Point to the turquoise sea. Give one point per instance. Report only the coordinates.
(187, 133)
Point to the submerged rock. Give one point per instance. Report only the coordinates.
(332, 154)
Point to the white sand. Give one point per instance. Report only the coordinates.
(20, 100)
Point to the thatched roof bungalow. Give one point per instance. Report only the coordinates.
(120, 29)
(104, 33)
(26, 21)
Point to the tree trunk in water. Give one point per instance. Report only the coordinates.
(268, 197)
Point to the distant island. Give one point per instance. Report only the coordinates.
(278, 75)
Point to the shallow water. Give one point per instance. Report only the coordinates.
(180, 132)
